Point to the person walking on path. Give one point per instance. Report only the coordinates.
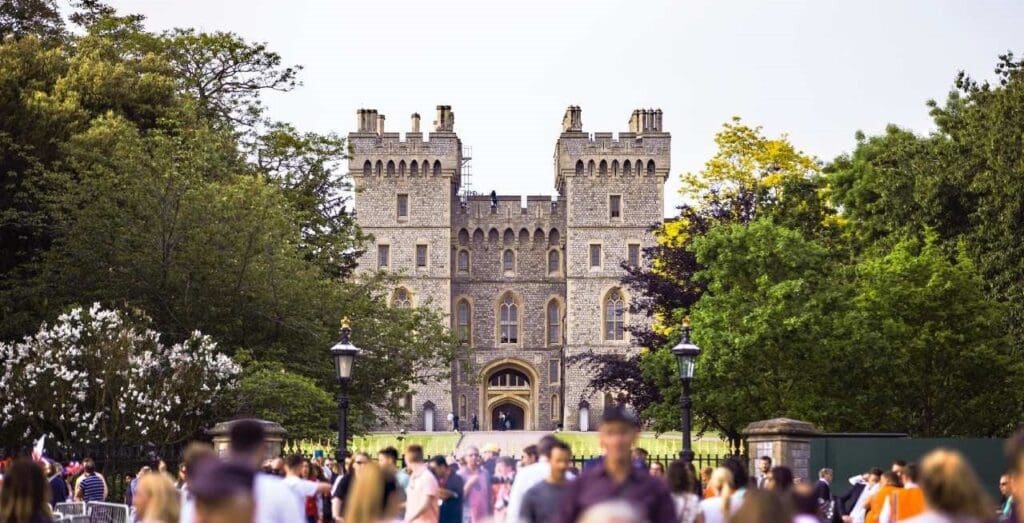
(532, 475)
(616, 478)
(476, 488)
(542, 500)
(1015, 470)
(683, 485)
(951, 490)
(906, 502)
(450, 492)
(25, 496)
(423, 492)
(156, 500)
(91, 486)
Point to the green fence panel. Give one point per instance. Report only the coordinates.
(848, 456)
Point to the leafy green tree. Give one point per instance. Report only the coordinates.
(39, 18)
(137, 175)
(933, 346)
(302, 407)
(761, 322)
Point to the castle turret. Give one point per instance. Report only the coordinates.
(613, 192)
(405, 193)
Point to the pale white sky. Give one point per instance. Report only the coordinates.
(817, 70)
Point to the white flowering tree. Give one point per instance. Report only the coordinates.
(102, 377)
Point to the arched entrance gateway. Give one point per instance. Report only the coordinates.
(508, 395)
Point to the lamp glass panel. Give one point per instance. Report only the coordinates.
(343, 365)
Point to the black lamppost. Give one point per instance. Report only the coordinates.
(344, 354)
(686, 353)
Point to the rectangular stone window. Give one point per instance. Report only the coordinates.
(634, 254)
(403, 206)
(383, 256)
(553, 368)
(595, 256)
(615, 206)
(421, 256)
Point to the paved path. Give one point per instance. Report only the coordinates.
(511, 442)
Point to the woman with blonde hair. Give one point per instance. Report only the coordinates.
(374, 496)
(717, 509)
(951, 490)
(156, 499)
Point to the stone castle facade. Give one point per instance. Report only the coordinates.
(525, 287)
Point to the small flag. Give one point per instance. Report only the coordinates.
(37, 449)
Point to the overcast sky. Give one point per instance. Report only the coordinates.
(816, 70)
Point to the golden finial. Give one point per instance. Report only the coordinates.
(686, 322)
(345, 323)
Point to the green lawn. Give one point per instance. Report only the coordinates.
(585, 444)
(439, 443)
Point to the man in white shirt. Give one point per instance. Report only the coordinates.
(275, 503)
(529, 476)
(860, 508)
(296, 468)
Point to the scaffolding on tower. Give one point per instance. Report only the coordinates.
(466, 176)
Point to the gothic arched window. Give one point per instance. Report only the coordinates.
(603, 170)
(509, 378)
(402, 298)
(463, 261)
(613, 316)
(391, 168)
(463, 321)
(508, 260)
(554, 315)
(437, 167)
(508, 319)
(579, 167)
(627, 168)
(414, 168)
(554, 262)
(650, 166)
(367, 168)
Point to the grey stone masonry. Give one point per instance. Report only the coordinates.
(526, 284)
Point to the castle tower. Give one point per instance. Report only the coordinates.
(613, 192)
(405, 193)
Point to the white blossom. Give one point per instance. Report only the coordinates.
(74, 375)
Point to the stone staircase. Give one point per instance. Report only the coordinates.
(511, 442)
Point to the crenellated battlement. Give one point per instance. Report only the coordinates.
(643, 150)
(377, 152)
(510, 207)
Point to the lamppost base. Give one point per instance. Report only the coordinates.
(686, 456)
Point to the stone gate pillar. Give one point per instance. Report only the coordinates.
(786, 441)
(221, 434)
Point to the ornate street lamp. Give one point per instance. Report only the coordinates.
(686, 354)
(344, 354)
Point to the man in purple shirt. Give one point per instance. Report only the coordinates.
(615, 478)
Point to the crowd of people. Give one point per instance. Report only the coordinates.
(242, 485)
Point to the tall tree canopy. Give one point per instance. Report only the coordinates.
(861, 295)
(139, 170)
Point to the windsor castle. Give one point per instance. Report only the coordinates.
(525, 287)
